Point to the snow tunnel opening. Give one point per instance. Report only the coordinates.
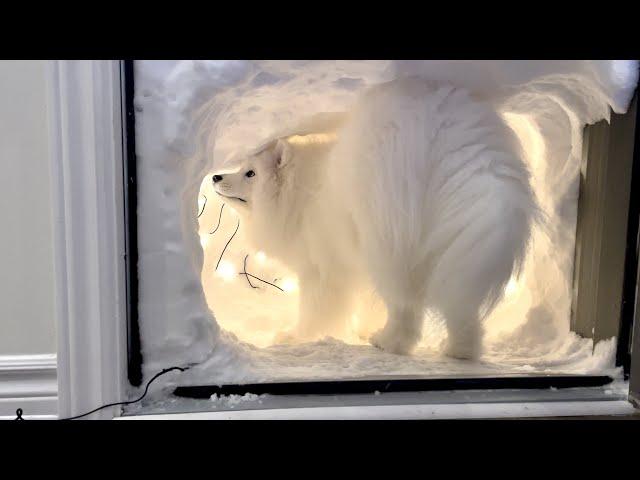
(256, 297)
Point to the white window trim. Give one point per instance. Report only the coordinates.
(84, 102)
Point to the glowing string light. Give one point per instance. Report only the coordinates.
(226, 270)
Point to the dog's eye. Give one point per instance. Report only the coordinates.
(250, 174)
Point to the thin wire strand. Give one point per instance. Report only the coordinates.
(146, 390)
(203, 206)
(245, 271)
(263, 281)
(219, 218)
(228, 242)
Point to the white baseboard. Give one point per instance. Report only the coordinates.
(28, 382)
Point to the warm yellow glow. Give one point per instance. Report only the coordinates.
(290, 285)
(519, 294)
(530, 138)
(312, 138)
(204, 240)
(511, 288)
(226, 270)
(261, 257)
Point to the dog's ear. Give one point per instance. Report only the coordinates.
(279, 152)
(282, 152)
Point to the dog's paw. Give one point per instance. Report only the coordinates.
(463, 350)
(391, 342)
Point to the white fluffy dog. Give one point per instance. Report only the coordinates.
(423, 194)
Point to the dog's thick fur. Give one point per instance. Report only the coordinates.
(424, 194)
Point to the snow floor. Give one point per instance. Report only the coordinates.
(332, 359)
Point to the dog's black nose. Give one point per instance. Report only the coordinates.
(217, 178)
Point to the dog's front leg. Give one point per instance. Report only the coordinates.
(325, 303)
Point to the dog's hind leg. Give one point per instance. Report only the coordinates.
(402, 286)
(471, 276)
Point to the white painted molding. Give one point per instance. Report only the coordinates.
(28, 382)
(84, 105)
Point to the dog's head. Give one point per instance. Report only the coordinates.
(254, 175)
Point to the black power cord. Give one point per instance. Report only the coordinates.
(19, 412)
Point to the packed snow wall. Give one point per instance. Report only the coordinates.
(191, 115)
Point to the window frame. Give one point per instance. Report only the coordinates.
(85, 117)
(92, 135)
(606, 254)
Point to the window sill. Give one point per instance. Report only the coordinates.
(470, 404)
(411, 412)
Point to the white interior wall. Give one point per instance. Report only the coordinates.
(27, 324)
